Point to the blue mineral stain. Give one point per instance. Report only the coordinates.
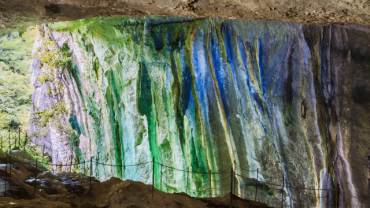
(218, 66)
(185, 89)
(74, 123)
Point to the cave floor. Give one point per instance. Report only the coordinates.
(68, 189)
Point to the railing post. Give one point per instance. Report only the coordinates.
(10, 145)
(19, 138)
(235, 179)
(187, 181)
(10, 171)
(90, 174)
(25, 140)
(25, 143)
(337, 196)
(161, 178)
(282, 192)
(97, 165)
(124, 168)
(231, 188)
(15, 139)
(84, 168)
(235, 182)
(34, 193)
(210, 183)
(153, 183)
(6, 172)
(255, 197)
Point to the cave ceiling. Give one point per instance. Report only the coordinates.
(18, 14)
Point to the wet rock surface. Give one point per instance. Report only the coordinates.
(288, 100)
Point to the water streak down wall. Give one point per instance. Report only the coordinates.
(283, 98)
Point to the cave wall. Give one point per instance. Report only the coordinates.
(290, 100)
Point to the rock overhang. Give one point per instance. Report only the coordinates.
(17, 14)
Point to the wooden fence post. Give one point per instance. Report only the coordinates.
(282, 192)
(255, 197)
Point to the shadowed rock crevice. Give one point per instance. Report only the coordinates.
(52, 9)
(361, 94)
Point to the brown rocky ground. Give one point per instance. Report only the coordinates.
(17, 14)
(72, 190)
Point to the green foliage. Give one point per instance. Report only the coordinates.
(14, 139)
(54, 60)
(16, 92)
(36, 153)
(15, 87)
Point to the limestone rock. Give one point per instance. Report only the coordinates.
(47, 174)
(288, 100)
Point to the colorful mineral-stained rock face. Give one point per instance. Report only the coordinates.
(277, 101)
